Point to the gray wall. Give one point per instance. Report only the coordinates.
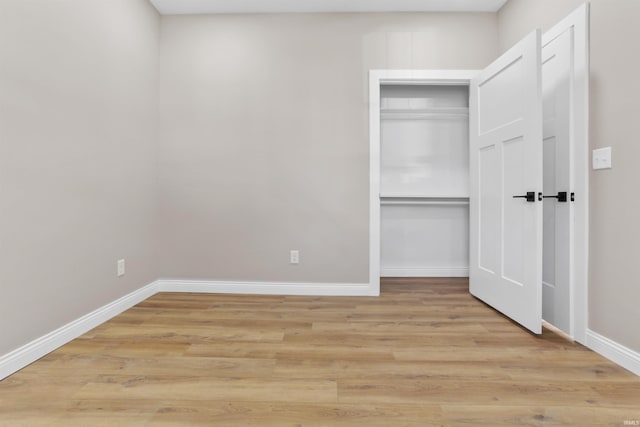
(264, 135)
(78, 115)
(614, 290)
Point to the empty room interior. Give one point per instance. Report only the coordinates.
(319, 212)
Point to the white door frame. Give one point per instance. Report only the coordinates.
(393, 77)
(579, 125)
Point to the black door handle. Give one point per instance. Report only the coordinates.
(561, 196)
(530, 196)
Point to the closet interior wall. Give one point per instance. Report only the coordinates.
(424, 181)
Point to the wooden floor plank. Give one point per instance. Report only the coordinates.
(424, 353)
(533, 416)
(207, 389)
(233, 414)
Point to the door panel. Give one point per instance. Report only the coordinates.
(501, 97)
(506, 161)
(489, 214)
(514, 238)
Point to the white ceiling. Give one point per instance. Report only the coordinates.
(178, 7)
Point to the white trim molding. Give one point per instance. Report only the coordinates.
(617, 353)
(264, 288)
(425, 272)
(181, 7)
(30, 352)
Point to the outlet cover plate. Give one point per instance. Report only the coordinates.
(120, 267)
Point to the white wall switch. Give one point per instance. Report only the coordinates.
(120, 267)
(294, 257)
(602, 158)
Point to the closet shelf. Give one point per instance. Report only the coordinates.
(424, 200)
(424, 114)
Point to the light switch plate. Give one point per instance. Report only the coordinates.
(602, 158)
(120, 265)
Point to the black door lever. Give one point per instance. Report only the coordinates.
(561, 196)
(530, 196)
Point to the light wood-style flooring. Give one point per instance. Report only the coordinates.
(425, 353)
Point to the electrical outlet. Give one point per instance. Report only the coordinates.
(294, 257)
(120, 267)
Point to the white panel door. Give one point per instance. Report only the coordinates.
(565, 82)
(557, 165)
(505, 168)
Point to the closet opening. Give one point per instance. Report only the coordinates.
(419, 174)
(424, 180)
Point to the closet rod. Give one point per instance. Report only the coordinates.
(421, 116)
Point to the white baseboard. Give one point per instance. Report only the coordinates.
(425, 272)
(614, 351)
(265, 288)
(30, 352)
